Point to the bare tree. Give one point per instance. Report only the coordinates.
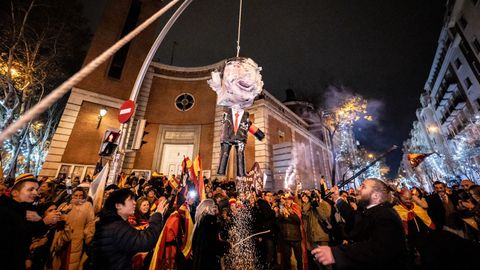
(343, 109)
(40, 45)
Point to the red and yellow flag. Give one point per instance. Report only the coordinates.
(188, 169)
(122, 181)
(197, 165)
(170, 233)
(407, 214)
(416, 158)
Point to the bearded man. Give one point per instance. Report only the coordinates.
(378, 237)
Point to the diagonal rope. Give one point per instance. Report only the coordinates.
(60, 91)
(239, 27)
(246, 238)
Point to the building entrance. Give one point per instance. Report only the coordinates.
(172, 157)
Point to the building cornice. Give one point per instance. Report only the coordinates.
(184, 73)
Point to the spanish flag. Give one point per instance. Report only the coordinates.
(407, 214)
(173, 182)
(197, 165)
(415, 158)
(122, 181)
(163, 254)
(188, 171)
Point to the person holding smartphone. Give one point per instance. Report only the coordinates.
(115, 241)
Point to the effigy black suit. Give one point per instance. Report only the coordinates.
(229, 138)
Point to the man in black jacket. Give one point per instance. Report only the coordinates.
(378, 238)
(265, 220)
(442, 208)
(19, 224)
(290, 225)
(115, 241)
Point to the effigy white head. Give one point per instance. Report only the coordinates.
(238, 83)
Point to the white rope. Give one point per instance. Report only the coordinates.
(60, 91)
(239, 27)
(243, 240)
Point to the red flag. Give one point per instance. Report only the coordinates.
(415, 158)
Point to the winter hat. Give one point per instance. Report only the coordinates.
(24, 177)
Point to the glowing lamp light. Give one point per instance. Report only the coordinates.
(103, 112)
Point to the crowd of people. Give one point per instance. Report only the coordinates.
(160, 223)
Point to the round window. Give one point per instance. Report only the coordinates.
(184, 102)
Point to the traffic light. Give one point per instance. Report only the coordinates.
(139, 138)
(109, 142)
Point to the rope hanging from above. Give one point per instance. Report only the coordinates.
(239, 26)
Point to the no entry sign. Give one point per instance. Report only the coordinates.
(126, 111)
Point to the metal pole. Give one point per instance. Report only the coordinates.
(120, 153)
(343, 183)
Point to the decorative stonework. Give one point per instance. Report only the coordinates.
(175, 134)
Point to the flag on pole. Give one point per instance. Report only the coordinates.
(189, 171)
(197, 167)
(97, 188)
(416, 158)
(162, 253)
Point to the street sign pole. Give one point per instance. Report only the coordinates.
(127, 110)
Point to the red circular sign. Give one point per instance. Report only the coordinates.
(126, 111)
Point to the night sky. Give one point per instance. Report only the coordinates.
(380, 49)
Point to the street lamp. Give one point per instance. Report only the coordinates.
(101, 114)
